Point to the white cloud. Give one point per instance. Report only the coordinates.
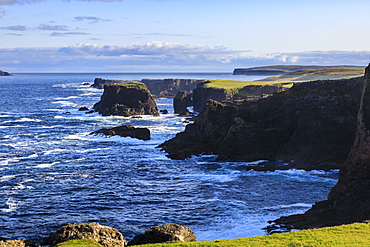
(68, 33)
(161, 56)
(52, 27)
(14, 28)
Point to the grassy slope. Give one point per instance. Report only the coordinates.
(320, 74)
(357, 234)
(294, 68)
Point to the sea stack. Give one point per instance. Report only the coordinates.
(126, 100)
(349, 199)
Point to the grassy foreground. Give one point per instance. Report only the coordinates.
(357, 234)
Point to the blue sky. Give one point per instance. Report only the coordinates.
(180, 35)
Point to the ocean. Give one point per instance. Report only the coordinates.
(53, 172)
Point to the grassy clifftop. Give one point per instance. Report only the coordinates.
(357, 234)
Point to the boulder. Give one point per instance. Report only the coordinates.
(126, 100)
(164, 233)
(312, 126)
(83, 108)
(17, 243)
(349, 199)
(126, 131)
(106, 236)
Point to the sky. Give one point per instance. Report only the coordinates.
(180, 35)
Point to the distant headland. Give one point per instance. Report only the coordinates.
(4, 73)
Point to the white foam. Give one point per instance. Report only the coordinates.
(46, 165)
(55, 151)
(65, 103)
(12, 205)
(7, 178)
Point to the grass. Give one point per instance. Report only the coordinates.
(357, 234)
(319, 74)
(79, 243)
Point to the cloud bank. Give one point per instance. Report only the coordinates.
(160, 56)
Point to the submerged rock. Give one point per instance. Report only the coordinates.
(104, 235)
(312, 124)
(126, 131)
(349, 199)
(164, 233)
(126, 100)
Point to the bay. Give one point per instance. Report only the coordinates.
(53, 172)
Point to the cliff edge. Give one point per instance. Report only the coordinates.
(312, 124)
(349, 199)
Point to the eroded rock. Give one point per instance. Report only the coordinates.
(17, 243)
(126, 131)
(164, 233)
(104, 235)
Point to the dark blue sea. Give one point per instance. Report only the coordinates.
(53, 172)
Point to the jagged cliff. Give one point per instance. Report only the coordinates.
(349, 199)
(312, 124)
(158, 87)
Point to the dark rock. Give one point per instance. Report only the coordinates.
(86, 84)
(104, 235)
(84, 108)
(164, 233)
(182, 101)
(169, 87)
(163, 111)
(3, 73)
(201, 95)
(299, 125)
(349, 199)
(17, 243)
(126, 131)
(89, 112)
(126, 100)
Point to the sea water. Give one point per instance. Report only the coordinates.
(53, 172)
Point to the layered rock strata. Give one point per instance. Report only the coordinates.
(312, 124)
(126, 100)
(349, 199)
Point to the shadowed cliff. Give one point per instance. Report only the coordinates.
(349, 199)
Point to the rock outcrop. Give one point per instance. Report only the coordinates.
(100, 82)
(106, 236)
(182, 100)
(164, 233)
(4, 73)
(169, 87)
(158, 87)
(126, 131)
(126, 100)
(312, 124)
(17, 243)
(349, 199)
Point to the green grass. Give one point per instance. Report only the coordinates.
(80, 243)
(319, 74)
(357, 234)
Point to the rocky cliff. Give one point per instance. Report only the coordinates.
(349, 199)
(312, 124)
(158, 87)
(126, 100)
(3, 73)
(170, 87)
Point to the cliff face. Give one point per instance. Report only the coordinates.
(349, 199)
(312, 123)
(126, 100)
(170, 87)
(100, 82)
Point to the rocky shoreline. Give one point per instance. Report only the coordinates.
(108, 236)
